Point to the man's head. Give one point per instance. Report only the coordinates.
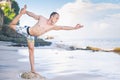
(54, 16)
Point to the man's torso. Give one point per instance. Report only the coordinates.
(40, 27)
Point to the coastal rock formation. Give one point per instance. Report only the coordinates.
(32, 76)
(92, 48)
(1, 18)
(49, 37)
(116, 50)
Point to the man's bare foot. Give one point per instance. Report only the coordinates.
(34, 72)
(37, 74)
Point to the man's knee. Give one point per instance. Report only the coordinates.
(31, 46)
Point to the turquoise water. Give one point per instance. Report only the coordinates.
(53, 61)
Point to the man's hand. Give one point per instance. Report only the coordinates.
(23, 10)
(78, 26)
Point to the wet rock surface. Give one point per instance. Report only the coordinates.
(32, 76)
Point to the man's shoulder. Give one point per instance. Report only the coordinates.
(42, 17)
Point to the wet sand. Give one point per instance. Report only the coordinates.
(10, 68)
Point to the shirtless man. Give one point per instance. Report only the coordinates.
(42, 26)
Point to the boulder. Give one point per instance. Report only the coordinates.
(32, 76)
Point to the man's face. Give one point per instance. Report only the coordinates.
(55, 18)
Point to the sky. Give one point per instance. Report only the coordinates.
(101, 18)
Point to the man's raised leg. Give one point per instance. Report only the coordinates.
(14, 22)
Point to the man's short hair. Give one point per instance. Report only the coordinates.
(53, 13)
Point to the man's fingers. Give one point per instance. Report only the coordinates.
(81, 25)
(25, 6)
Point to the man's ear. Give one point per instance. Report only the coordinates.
(52, 16)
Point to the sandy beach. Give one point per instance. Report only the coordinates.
(58, 64)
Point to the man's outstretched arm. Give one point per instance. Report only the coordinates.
(31, 14)
(67, 27)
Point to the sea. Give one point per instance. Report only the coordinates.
(60, 60)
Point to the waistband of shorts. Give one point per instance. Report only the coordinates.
(28, 30)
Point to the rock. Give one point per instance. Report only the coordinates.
(32, 76)
(92, 48)
(116, 49)
(72, 48)
(1, 18)
(49, 37)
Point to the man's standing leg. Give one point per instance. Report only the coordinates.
(31, 55)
